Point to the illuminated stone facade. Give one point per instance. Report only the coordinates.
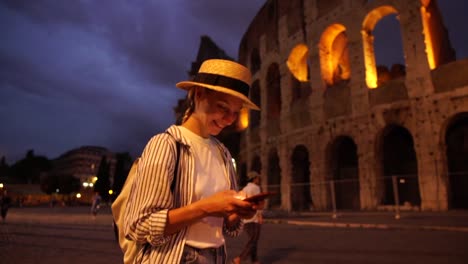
(334, 127)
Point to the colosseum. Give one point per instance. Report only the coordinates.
(337, 131)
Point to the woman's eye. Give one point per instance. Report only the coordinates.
(223, 108)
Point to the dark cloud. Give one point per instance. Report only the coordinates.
(50, 11)
(76, 73)
(88, 72)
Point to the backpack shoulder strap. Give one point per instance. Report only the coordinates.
(176, 168)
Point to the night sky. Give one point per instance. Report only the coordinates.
(103, 73)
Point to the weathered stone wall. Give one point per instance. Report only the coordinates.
(423, 101)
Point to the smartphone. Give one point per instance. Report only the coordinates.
(259, 197)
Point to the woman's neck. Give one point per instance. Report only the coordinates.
(194, 124)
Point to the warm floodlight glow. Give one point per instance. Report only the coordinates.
(426, 17)
(297, 62)
(243, 122)
(78, 195)
(111, 192)
(368, 26)
(334, 61)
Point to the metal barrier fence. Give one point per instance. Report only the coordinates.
(394, 192)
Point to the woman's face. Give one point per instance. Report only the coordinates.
(216, 110)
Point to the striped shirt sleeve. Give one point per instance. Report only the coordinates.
(150, 197)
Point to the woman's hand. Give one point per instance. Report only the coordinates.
(226, 203)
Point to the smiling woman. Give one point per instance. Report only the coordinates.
(187, 224)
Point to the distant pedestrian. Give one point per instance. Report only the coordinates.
(5, 203)
(96, 203)
(252, 226)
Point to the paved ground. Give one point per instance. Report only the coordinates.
(50, 235)
(449, 221)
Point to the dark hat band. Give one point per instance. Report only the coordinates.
(223, 81)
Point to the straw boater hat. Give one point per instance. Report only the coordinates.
(223, 76)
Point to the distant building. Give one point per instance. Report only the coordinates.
(83, 163)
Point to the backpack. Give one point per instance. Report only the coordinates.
(130, 248)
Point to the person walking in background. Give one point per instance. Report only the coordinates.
(5, 203)
(96, 204)
(187, 223)
(252, 226)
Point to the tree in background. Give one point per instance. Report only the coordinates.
(29, 169)
(4, 168)
(102, 185)
(68, 184)
(64, 183)
(49, 184)
(122, 168)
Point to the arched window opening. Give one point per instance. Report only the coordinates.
(334, 55)
(274, 179)
(368, 27)
(390, 61)
(345, 173)
(297, 63)
(399, 160)
(243, 120)
(456, 140)
(301, 198)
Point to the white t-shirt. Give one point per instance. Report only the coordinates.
(210, 177)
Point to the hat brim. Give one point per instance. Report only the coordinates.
(247, 103)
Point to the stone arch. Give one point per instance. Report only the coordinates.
(344, 171)
(273, 85)
(301, 198)
(397, 157)
(274, 179)
(334, 55)
(456, 142)
(368, 26)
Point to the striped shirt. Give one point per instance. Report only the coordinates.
(151, 198)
